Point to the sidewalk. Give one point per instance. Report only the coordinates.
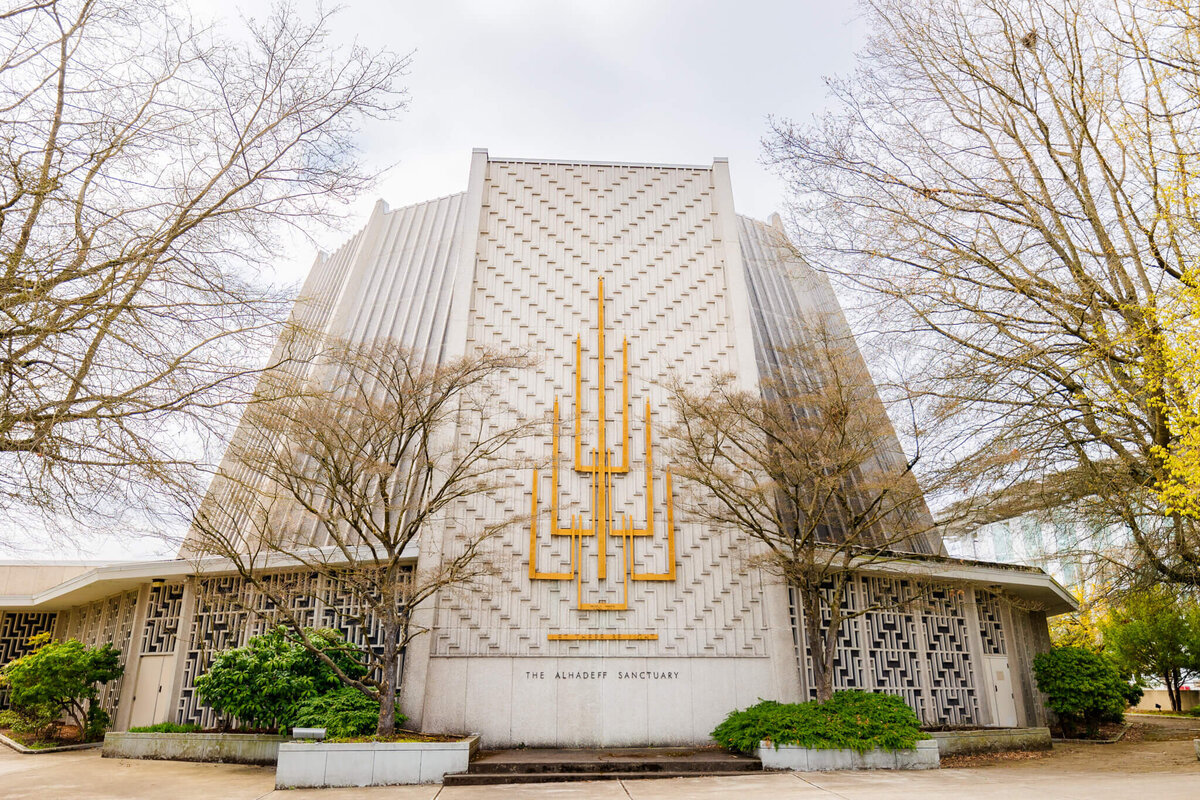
(1151, 768)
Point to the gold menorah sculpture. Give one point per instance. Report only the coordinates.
(604, 519)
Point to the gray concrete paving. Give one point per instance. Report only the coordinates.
(1149, 767)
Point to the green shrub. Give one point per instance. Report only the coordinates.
(263, 683)
(95, 724)
(849, 720)
(61, 677)
(343, 713)
(167, 727)
(34, 722)
(1081, 687)
(1194, 711)
(1132, 693)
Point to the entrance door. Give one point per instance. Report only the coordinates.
(152, 690)
(1004, 704)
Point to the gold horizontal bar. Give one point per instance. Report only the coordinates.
(622, 606)
(602, 637)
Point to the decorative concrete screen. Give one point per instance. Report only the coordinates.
(161, 631)
(229, 611)
(16, 628)
(107, 621)
(919, 650)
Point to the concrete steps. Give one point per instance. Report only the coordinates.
(538, 765)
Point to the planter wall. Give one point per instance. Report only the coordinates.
(315, 764)
(803, 759)
(232, 748)
(991, 740)
(20, 748)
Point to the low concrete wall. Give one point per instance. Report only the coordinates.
(802, 759)
(316, 764)
(232, 748)
(20, 748)
(991, 740)
(1188, 699)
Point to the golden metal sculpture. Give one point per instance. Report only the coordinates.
(604, 525)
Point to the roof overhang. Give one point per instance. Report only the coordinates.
(1028, 584)
(109, 579)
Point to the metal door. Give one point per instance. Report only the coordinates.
(152, 690)
(1004, 703)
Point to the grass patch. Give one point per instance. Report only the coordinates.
(166, 727)
(853, 720)
(401, 736)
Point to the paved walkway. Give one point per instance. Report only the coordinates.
(1159, 763)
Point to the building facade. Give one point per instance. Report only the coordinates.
(613, 619)
(1076, 551)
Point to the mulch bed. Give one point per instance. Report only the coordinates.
(985, 759)
(67, 735)
(1107, 731)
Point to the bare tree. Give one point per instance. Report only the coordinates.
(148, 168)
(806, 464)
(342, 476)
(1011, 179)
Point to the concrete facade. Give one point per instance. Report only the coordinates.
(619, 277)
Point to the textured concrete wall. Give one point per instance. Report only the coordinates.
(953, 743)
(665, 242)
(304, 764)
(802, 759)
(229, 748)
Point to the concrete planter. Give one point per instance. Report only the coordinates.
(230, 748)
(991, 740)
(316, 764)
(804, 759)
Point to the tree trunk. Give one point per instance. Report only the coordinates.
(387, 692)
(821, 652)
(1173, 683)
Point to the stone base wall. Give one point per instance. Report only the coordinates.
(313, 765)
(228, 748)
(591, 702)
(803, 759)
(955, 743)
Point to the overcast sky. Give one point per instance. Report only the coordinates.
(671, 82)
(648, 81)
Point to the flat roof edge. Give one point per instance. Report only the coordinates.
(81, 588)
(562, 162)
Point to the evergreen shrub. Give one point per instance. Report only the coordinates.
(262, 684)
(1081, 687)
(343, 713)
(850, 720)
